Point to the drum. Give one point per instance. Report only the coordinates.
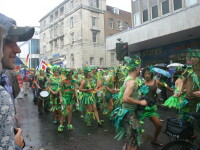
(99, 93)
(44, 94)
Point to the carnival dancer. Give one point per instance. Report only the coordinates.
(88, 87)
(110, 90)
(54, 87)
(125, 118)
(68, 97)
(40, 82)
(175, 100)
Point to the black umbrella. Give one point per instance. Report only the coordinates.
(18, 61)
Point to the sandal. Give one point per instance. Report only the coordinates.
(156, 143)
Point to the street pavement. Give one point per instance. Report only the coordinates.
(40, 133)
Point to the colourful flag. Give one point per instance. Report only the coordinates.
(27, 58)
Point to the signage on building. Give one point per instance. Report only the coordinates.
(55, 55)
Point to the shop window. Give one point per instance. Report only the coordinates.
(165, 7)
(91, 60)
(177, 4)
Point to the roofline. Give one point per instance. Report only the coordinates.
(65, 1)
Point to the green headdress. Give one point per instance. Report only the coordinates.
(132, 63)
(194, 52)
(87, 69)
(55, 68)
(40, 70)
(67, 72)
(94, 67)
(151, 69)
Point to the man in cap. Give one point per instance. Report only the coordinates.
(11, 35)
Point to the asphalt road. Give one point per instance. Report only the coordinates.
(40, 133)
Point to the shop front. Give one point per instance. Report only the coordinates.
(171, 53)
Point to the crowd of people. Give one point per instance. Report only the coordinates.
(126, 94)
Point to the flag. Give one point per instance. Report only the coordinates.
(43, 65)
(27, 58)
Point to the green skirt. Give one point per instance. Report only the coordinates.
(150, 112)
(88, 98)
(68, 99)
(173, 102)
(55, 102)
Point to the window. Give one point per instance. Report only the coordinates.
(137, 19)
(110, 23)
(112, 58)
(71, 22)
(191, 2)
(116, 10)
(72, 4)
(145, 15)
(56, 44)
(56, 15)
(94, 36)
(155, 11)
(35, 46)
(101, 62)
(135, 7)
(62, 42)
(91, 60)
(56, 30)
(126, 25)
(94, 3)
(62, 28)
(51, 33)
(44, 37)
(72, 37)
(34, 62)
(51, 18)
(61, 11)
(94, 21)
(119, 25)
(72, 60)
(177, 4)
(44, 24)
(165, 7)
(51, 46)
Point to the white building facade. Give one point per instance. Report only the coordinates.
(72, 34)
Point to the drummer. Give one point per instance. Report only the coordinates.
(40, 83)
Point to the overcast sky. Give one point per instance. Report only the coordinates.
(29, 12)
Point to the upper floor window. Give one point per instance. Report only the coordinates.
(71, 22)
(61, 11)
(72, 37)
(119, 25)
(145, 15)
(191, 2)
(44, 24)
(116, 10)
(165, 7)
(94, 21)
(72, 4)
(137, 19)
(111, 23)
(155, 11)
(177, 4)
(51, 18)
(56, 15)
(62, 28)
(94, 36)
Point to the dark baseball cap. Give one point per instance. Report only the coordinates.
(11, 30)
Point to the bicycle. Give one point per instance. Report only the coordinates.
(183, 132)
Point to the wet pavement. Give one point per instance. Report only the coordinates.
(40, 133)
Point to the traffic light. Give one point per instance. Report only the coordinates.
(121, 51)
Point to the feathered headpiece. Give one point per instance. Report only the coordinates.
(132, 63)
(55, 68)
